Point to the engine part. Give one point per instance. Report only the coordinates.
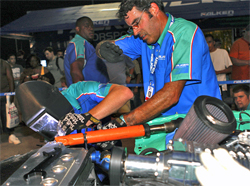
(72, 167)
(42, 105)
(116, 171)
(175, 166)
(208, 121)
(39, 169)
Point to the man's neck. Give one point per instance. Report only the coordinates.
(53, 58)
(213, 50)
(11, 64)
(164, 19)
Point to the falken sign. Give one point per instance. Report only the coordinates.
(196, 9)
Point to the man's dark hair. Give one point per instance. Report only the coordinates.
(59, 50)
(50, 49)
(81, 20)
(29, 59)
(20, 53)
(242, 87)
(11, 55)
(127, 5)
(209, 35)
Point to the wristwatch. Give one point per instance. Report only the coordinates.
(130, 75)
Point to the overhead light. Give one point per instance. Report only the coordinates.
(111, 9)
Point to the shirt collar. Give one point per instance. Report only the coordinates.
(163, 34)
(79, 37)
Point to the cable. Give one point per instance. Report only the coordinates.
(148, 150)
(240, 118)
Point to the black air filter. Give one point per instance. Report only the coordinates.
(209, 121)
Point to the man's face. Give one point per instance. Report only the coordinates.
(210, 43)
(241, 100)
(148, 29)
(49, 55)
(86, 30)
(12, 60)
(59, 54)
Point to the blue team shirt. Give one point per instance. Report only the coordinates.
(85, 95)
(183, 54)
(94, 69)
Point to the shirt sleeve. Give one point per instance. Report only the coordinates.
(188, 50)
(80, 49)
(228, 61)
(130, 46)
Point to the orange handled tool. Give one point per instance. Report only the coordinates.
(117, 133)
(102, 135)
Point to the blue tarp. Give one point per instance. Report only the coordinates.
(104, 14)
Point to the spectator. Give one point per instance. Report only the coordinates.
(117, 75)
(63, 82)
(37, 71)
(20, 58)
(55, 65)
(16, 69)
(60, 53)
(217, 43)
(176, 63)
(117, 71)
(240, 56)
(7, 85)
(241, 94)
(222, 63)
(80, 60)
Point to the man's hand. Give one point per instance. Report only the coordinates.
(74, 121)
(110, 52)
(116, 123)
(221, 169)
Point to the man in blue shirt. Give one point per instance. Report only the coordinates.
(94, 99)
(176, 63)
(80, 60)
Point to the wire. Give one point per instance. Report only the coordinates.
(240, 118)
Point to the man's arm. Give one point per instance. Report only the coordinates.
(239, 62)
(160, 101)
(138, 80)
(225, 71)
(76, 70)
(128, 78)
(118, 95)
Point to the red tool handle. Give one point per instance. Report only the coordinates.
(102, 135)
